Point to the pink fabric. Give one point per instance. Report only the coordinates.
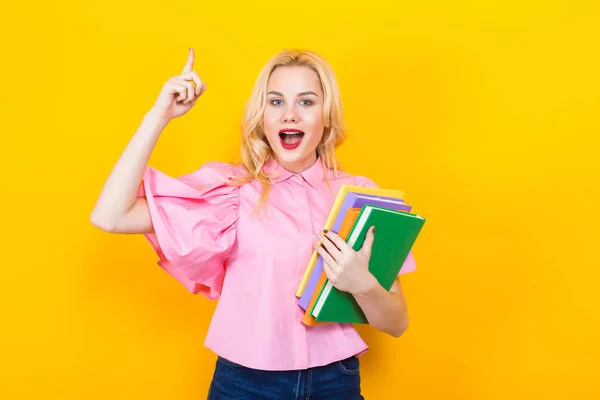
(207, 238)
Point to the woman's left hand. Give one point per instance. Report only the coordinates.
(346, 269)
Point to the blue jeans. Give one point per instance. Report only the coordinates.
(336, 381)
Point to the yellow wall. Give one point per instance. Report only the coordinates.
(485, 113)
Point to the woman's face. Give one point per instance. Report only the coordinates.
(294, 104)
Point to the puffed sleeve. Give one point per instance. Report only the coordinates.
(409, 264)
(195, 222)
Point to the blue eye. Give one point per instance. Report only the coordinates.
(276, 104)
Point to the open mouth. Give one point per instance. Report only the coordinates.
(290, 139)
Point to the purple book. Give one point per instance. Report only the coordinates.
(352, 200)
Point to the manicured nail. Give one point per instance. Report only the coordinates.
(325, 230)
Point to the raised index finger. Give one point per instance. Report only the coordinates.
(189, 65)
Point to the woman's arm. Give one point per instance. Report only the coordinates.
(118, 208)
(385, 311)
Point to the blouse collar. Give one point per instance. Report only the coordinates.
(313, 174)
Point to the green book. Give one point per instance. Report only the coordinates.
(395, 234)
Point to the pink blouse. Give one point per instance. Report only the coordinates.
(207, 238)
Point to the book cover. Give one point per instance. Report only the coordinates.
(395, 234)
(351, 200)
(341, 195)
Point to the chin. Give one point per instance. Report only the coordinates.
(296, 157)
(285, 157)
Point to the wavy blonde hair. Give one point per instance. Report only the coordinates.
(255, 149)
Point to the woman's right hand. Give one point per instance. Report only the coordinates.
(180, 93)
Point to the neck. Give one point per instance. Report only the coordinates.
(300, 165)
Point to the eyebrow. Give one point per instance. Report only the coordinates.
(299, 94)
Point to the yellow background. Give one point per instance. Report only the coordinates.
(484, 113)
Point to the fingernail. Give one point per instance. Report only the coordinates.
(325, 230)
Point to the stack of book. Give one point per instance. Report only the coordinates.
(355, 210)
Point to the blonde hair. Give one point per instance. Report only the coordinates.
(255, 149)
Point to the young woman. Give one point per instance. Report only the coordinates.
(243, 233)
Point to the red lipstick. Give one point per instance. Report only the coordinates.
(290, 138)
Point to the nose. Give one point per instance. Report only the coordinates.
(289, 115)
